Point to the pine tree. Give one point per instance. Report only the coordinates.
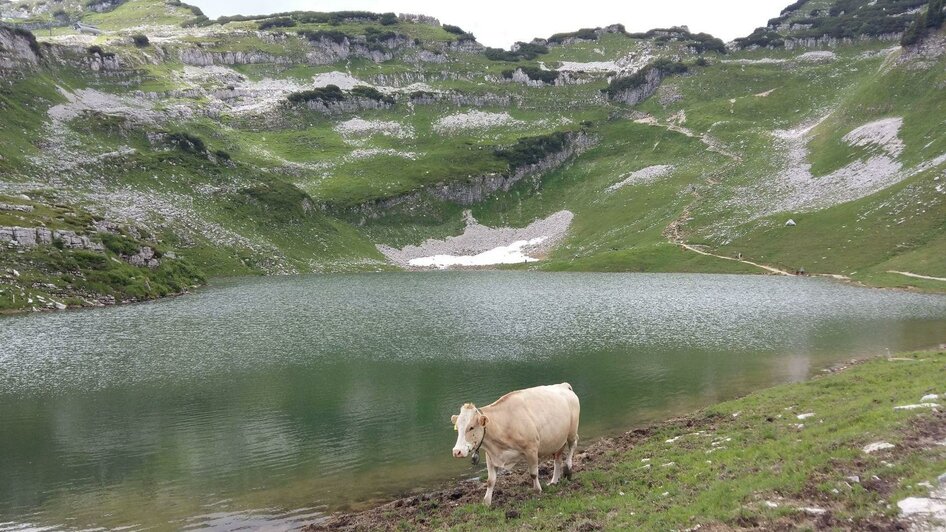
(915, 32)
(934, 14)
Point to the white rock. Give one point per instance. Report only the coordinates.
(790, 223)
(644, 175)
(916, 406)
(771, 504)
(813, 511)
(806, 415)
(922, 505)
(929, 397)
(877, 446)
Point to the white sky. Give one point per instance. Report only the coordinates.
(502, 22)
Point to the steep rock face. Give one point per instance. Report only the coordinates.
(325, 51)
(481, 187)
(652, 80)
(35, 236)
(834, 42)
(16, 50)
(102, 63)
(349, 105)
(460, 99)
(198, 57)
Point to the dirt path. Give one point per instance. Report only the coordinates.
(769, 269)
(918, 276)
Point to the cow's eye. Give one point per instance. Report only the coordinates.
(469, 429)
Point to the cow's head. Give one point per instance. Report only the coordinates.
(470, 426)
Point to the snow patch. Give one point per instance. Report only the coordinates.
(512, 254)
(483, 246)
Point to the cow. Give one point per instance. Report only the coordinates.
(529, 425)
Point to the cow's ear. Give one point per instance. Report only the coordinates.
(484, 420)
(453, 419)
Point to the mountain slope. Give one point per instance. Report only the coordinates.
(314, 141)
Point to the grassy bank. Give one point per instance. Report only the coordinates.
(786, 457)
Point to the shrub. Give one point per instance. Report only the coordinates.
(281, 22)
(762, 37)
(934, 14)
(794, 6)
(456, 30)
(388, 19)
(533, 73)
(338, 37)
(119, 244)
(704, 42)
(329, 93)
(141, 41)
(663, 67)
(585, 34)
(187, 143)
(222, 155)
(530, 150)
(364, 91)
(523, 51)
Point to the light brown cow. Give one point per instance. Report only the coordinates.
(528, 425)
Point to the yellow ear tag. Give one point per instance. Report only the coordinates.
(454, 427)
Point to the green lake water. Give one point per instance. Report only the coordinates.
(266, 402)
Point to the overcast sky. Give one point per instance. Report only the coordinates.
(502, 22)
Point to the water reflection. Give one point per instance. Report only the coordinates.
(270, 400)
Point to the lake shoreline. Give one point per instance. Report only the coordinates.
(604, 467)
(829, 277)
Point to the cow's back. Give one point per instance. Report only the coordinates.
(554, 411)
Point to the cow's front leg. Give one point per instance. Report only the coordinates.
(532, 459)
(490, 481)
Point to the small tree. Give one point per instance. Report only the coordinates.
(934, 14)
(915, 32)
(141, 41)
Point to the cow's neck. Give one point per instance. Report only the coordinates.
(493, 441)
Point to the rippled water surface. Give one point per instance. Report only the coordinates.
(266, 402)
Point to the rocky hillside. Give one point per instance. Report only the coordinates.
(145, 148)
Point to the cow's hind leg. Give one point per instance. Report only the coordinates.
(490, 481)
(532, 459)
(572, 444)
(557, 471)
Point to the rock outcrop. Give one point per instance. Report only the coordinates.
(28, 237)
(652, 79)
(481, 187)
(17, 50)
